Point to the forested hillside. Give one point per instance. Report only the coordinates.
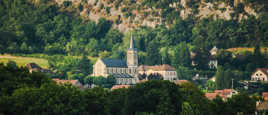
(60, 28)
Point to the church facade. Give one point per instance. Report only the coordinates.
(125, 71)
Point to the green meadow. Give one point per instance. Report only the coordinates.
(21, 61)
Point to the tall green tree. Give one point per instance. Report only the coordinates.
(85, 66)
(242, 103)
(220, 78)
(224, 78)
(153, 57)
(182, 56)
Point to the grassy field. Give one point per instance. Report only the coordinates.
(21, 61)
(241, 49)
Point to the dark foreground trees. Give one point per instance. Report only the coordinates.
(33, 93)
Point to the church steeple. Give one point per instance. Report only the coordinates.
(132, 54)
(131, 45)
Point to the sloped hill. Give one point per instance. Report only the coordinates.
(21, 61)
(126, 14)
(243, 49)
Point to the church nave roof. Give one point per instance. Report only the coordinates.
(114, 63)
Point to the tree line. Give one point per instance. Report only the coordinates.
(44, 28)
(34, 93)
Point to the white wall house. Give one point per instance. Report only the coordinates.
(261, 74)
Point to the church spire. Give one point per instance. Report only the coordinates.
(131, 45)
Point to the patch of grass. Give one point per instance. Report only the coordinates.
(21, 61)
(243, 49)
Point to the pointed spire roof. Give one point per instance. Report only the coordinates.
(131, 45)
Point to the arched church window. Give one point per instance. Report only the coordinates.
(126, 81)
(121, 81)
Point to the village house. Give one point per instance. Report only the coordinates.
(33, 67)
(224, 94)
(262, 106)
(213, 62)
(260, 74)
(165, 70)
(124, 71)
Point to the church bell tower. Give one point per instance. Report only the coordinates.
(132, 55)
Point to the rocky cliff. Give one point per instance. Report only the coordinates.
(127, 14)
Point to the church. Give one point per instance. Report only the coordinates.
(125, 71)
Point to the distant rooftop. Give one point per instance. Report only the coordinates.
(32, 66)
(164, 67)
(114, 63)
(265, 95)
(120, 86)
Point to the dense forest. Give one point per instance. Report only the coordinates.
(27, 28)
(34, 93)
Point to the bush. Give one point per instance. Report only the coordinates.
(67, 4)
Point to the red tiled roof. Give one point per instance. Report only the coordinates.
(224, 91)
(142, 81)
(265, 95)
(219, 91)
(179, 82)
(164, 67)
(211, 96)
(227, 91)
(120, 86)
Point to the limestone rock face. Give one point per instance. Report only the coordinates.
(126, 15)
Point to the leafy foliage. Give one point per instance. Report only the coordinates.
(33, 93)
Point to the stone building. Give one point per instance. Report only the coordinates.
(213, 62)
(166, 71)
(125, 71)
